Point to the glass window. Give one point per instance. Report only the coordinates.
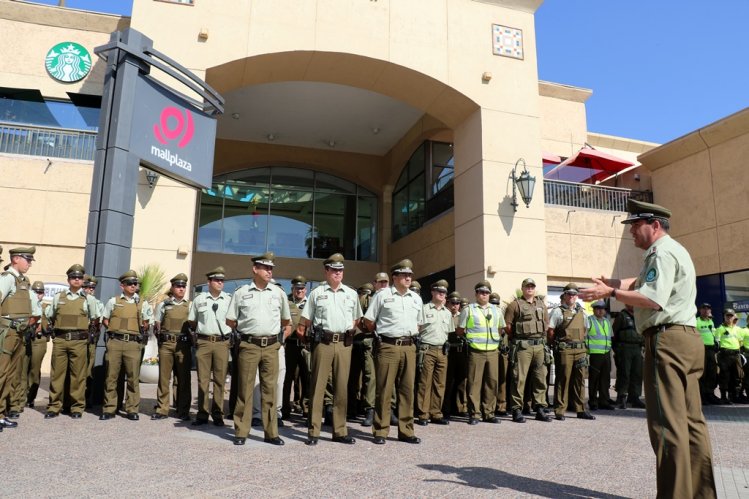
(33, 110)
(295, 213)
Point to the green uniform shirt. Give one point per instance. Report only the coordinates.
(396, 314)
(146, 311)
(90, 305)
(438, 323)
(8, 288)
(707, 331)
(668, 278)
(334, 310)
(258, 312)
(207, 321)
(730, 337)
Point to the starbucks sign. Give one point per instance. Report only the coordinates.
(68, 62)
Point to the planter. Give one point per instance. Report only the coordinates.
(149, 373)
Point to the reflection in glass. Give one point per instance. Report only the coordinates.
(290, 222)
(245, 218)
(366, 226)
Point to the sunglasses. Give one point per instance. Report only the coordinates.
(179, 285)
(217, 280)
(129, 283)
(483, 292)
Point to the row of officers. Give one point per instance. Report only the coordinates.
(378, 350)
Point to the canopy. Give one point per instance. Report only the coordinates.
(599, 164)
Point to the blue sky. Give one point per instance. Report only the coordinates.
(658, 68)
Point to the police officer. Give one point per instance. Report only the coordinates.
(730, 337)
(207, 318)
(361, 377)
(256, 311)
(598, 340)
(19, 310)
(36, 349)
(709, 379)
(627, 345)
(381, 281)
(481, 323)
(175, 353)
(663, 297)
(415, 287)
(126, 318)
(568, 324)
(71, 313)
(297, 374)
(396, 314)
(89, 287)
(438, 324)
(503, 364)
(332, 311)
(456, 396)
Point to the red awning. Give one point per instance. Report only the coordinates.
(599, 164)
(550, 158)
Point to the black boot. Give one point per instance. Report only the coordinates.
(621, 401)
(368, 417)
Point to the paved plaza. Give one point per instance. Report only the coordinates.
(606, 458)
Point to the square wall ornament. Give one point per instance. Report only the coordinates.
(507, 42)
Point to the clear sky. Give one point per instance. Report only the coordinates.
(658, 68)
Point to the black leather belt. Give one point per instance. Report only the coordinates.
(331, 337)
(71, 335)
(261, 341)
(654, 329)
(173, 337)
(726, 351)
(399, 341)
(136, 337)
(213, 338)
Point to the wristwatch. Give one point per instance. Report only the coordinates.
(613, 293)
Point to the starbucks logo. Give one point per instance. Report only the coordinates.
(68, 62)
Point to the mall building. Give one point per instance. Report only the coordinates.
(378, 129)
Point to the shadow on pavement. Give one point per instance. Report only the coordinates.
(488, 478)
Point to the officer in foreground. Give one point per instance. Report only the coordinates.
(332, 312)
(126, 318)
(663, 297)
(395, 314)
(71, 314)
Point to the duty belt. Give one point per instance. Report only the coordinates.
(570, 345)
(14, 323)
(136, 337)
(530, 341)
(727, 351)
(213, 338)
(71, 335)
(331, 337)
(261, 341)
(399, 341)
(663, 327)
(172, 337)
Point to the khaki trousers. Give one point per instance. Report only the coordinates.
(674, 361)
(211, 358)
(503, 366)
(31, 373)
(253, 359)
(528, 366)
(329, 360)
(483, 369)
(570, 381)
(123, 355)
(174, 359)
(394, 362)
(69, 358)
(9, 358)
(431, 392)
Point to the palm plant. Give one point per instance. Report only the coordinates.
(152, 283)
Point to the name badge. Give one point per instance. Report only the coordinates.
(322, 297)
(248, 296)
(429, 316)
(389, 300)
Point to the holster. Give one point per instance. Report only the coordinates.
(582, 362)
(348, 338)
(548, 356)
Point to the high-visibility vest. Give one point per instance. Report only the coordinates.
(483, 334)
(599, 335)
(707, 331)
(729, 337)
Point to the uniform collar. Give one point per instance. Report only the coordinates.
(654, 247)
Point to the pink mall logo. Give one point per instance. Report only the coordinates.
(184, 126)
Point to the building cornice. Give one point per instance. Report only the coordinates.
(565, 92)
(61, 17)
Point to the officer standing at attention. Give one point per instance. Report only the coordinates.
(35, 352)
(175, 354)
(526, 320)
(481, 323)
(126, 318)
(599, 351)
(71, 313)
(663, 297)
(395, 313)
(503, 365)
(438, 324)
(361, 393)
(730, 337)
(19, 310)
(627, 345)
(709, 379)
(207, 317)
(456, 397)
(256, 311)
(297, 374)
(89, 287)
(333, 311)
(381, 281)
(567, 326)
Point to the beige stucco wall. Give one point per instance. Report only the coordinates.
(563, 120)
(701, 178)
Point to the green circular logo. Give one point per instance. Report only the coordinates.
(68, 62)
